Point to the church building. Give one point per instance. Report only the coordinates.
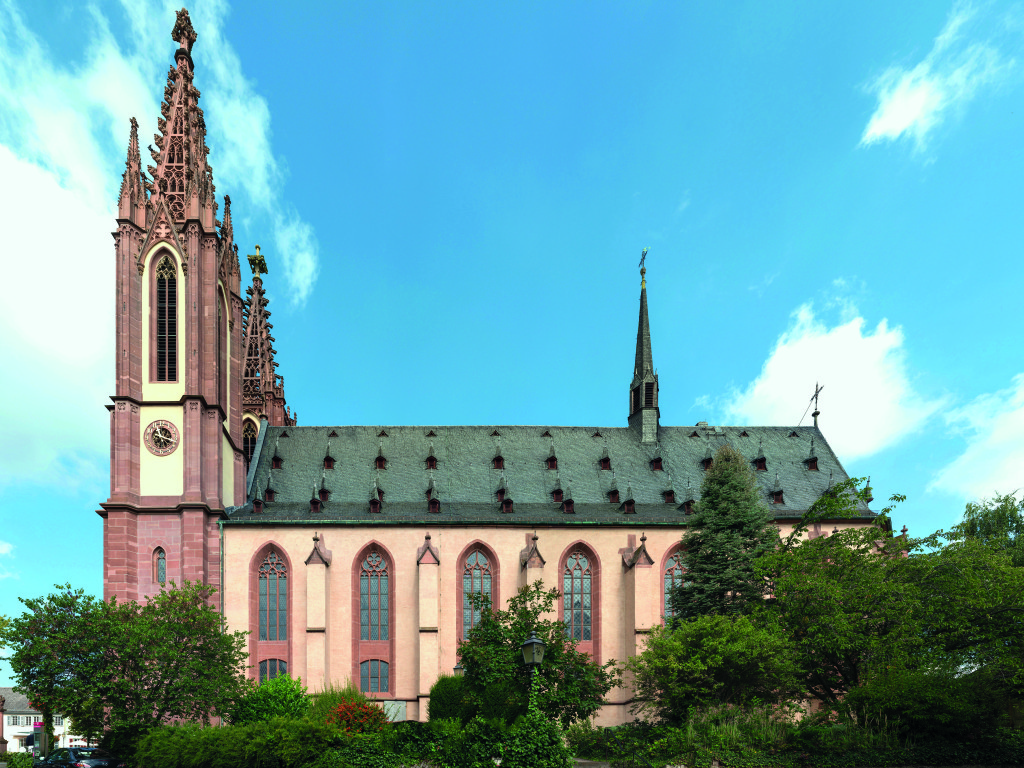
(348, 551)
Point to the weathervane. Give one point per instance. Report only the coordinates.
(814, 399)
(643, 269)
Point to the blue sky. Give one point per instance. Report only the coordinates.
(453, 199)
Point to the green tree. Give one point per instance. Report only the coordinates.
(997, 522)
(127, 667)
(56, 656)
(712, 660)
(571, 686)
(731, 528)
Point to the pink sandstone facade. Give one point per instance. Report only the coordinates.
(363, 575)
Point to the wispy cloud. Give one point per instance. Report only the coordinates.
(913, 101)
(869, 402)
(5, 552)
(993, 461)
(63, 136)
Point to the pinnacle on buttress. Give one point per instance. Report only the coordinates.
(131, 194)
(643, 390)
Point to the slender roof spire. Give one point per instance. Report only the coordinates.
(262, 386)
(643, 367)
(643, 391)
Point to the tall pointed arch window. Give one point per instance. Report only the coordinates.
(273, 593)
(576, 596)
(374, 598)
(249, 435)
(166, 320)
(673, 576)
(476, 580)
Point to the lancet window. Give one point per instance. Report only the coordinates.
(166, 320)
(672, 577)
(476, 579)
(577, 578)
(273, 594)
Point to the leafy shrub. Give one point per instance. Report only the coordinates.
(18, 759)
(280, 696)
(412, 738)
(535, 741)
(449, 698)
(475, 745)
(361, 751)
(358, 717)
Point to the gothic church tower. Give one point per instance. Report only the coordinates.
(176, 458)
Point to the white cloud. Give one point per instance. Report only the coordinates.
(913, 101)
(5, 550)
(993, 462)
(868, 403)
(63, 137)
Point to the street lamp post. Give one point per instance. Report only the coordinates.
(533, 653)
(459, 670)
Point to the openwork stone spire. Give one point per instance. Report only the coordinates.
(262, 387)
(182, 177)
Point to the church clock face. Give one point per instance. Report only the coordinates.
(161, 437)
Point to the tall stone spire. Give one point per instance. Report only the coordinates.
(262, 387)
(643, 391)
(182, 177)
(131, 202)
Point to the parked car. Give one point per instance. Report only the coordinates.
(82, 757)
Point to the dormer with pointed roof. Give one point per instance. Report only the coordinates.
(643, 390)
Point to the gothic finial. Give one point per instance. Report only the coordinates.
(257, 263)
(183, 33)
(316, 537)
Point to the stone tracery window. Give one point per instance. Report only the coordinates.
(673, 576)
(273, 595)
(249, 435)
(476, 579)
(160, 565)
(576, 596)
(374, 598)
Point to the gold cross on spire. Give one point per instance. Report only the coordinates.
(257, 263)
(643, 269)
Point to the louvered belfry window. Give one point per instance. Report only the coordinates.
(476, 580)
(374, 598)
(576, 595)
(273, 598)
(166, 320)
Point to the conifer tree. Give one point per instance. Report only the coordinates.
(731, 527)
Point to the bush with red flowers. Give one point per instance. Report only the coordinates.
(357, 717)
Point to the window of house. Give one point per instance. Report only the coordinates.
(160, 561)
(324, 494)
(672, 578)
(576, 596)
(506, 506)
(328, 462)
(373, 675)
(434, 505)
(498, 462)
(273, 593)
(706, 463)
(613, 496)
(552, 462)
(431, 462)
(761, 464)
(570, 507)
(58, 720)
(382, 463)
(688, 507)
(669, 496)
(271, 668)
(776, 497)
(556, 495)
(276, 463)
(166, 320)
(476, 580)
(812, 464)
(630, 507)
(375, 505)
(270, 494)
(605, 463)
(656, 465)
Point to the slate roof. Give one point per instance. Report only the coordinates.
(466, 481)
(17, 703)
